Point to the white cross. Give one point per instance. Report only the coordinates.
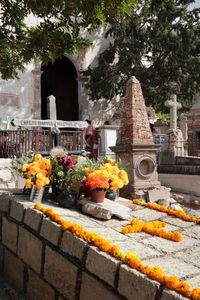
(174, 106)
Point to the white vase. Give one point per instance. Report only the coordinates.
(36, 194)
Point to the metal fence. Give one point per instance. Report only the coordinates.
(14, 142)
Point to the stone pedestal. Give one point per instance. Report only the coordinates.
(141, 167)
(109, 135)
(173, 146)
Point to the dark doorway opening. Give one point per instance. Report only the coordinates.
(60, 79)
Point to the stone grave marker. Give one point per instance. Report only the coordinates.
(173, 143)
(135, 145)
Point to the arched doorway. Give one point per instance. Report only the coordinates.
(60, 79)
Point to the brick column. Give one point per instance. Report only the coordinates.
(135, 145)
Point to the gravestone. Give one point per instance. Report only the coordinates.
(109, 135)
(52, 115)
(135, 145)
(173, 142)
(51, 108)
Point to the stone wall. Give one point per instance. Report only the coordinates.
(43, 262)
(181, 183)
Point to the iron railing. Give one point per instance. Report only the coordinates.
(14, 142)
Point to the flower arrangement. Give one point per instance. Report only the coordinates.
(38, 172)
(17, 164)
(62, 163)
(107, 176)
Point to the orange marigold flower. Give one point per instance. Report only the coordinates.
(37, 206)
(157, 274)
(195, 294)
(37, 157)
(172, 282)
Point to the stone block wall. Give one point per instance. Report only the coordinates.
(43, 262)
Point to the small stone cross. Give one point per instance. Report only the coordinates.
(174, 106)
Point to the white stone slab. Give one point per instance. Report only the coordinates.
(105, 210)
(156, 194)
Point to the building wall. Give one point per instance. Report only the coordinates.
(21, 98)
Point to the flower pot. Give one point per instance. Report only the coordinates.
(36, 194)
(111, 195)
(97, 196)
(86, 191)
(67, 200)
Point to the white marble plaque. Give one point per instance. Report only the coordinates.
(50, 123)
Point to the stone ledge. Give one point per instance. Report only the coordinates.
(102, 265)
(33, 218)
(9, 234)
(135, 285)
(50, 231)
(60, 273)
(73, 245)
(30, 249)
(4, 203)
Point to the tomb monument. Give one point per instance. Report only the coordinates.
(135, 147)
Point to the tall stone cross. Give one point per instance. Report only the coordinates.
(174, 106)
(51, 108)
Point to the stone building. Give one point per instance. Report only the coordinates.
(27, 97)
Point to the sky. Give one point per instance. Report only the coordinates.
(196, 4)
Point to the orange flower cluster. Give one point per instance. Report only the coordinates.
(130, 259)
(108, 176)
(177, 213)
(38, 172)
(152, 228)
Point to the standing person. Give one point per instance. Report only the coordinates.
(88, 134)
(96, 142)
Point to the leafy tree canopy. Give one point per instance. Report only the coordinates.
(160, 45)
(57, 31)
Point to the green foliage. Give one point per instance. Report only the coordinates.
(164, 117)
(56, 32)
(25, 158)
(160, 45)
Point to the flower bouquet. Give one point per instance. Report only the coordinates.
(38, 174)
(64, 187)
(108, 176)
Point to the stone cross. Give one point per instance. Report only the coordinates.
(51, 108)
(174, 106)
